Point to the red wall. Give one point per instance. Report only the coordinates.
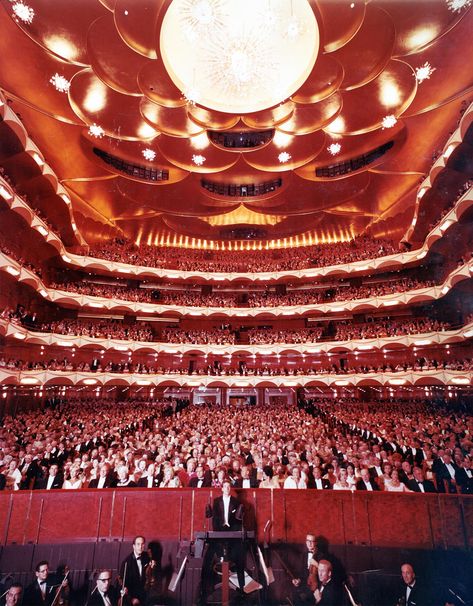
(378, 520)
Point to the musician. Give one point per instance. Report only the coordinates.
(413, 594)
(13, 595)
(41, 591)
(104, 594)
(328, 592)
(134, 578)
(305, 583)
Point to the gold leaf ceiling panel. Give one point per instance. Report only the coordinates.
(361, 93)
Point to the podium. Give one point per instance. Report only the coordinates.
(224, 539)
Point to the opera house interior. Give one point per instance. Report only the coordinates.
(236, 297)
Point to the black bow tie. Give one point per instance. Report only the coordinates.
(138, 557)
(42, 583)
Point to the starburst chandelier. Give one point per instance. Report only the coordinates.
(334, 149)
(23, 12)
(389, 121)
(457, 5)
(284, 157)
(96, 131)
(424, 72)
(60, 83)
(198, 159)
(149, 154)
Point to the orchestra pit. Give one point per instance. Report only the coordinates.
(236, 302)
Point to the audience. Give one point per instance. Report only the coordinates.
(171, 444)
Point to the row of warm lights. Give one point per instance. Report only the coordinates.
(306, 239)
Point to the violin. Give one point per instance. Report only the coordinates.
(313, 576)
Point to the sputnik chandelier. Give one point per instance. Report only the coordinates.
(241, 64)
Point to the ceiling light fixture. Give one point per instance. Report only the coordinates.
(334, 149)
(456, 5)
(24, 12)
(424, 72)
(149, 154)
(60, 83)
(96, 131)
(389, 121)
(198, 159)
(284, 157)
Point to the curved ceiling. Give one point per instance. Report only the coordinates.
(68, 66)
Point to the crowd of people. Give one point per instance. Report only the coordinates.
(188, 259)
(390, 445)
(219, 368)
(262, 298)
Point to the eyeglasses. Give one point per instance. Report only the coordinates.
(104, 580)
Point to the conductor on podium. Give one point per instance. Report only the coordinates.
(227, 516)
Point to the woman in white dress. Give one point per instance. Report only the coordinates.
(75, 481)
(395, 485)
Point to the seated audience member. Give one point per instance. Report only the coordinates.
(419, 483)
(365, 482)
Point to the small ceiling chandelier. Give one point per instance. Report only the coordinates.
(334, 149)
(96, 131)
(60, 83)
(198, 159)
(424, 72)
(149, 154)
(457, 5)
(24, 12)
(284, 157)
(389, 121)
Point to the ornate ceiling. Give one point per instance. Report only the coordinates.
(361, 101)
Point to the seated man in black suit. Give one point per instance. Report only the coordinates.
(419, 483)
(464, 477)
(105, 478)
(104, 594)
(413, 593)
(41, 591)
(328, 592)
(135, 578)
(51, 481)
(201, 479)
(13, 596)
(365, 482)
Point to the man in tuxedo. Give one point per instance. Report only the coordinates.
(247, 479)
(445, 471)
(105, 479)
(40, 592)
(419, 483)
(52, 481)
(328, 593)
(227, 516)
(365, 482)
(305, 584)
(135, 577)
(464, 477)
(104, 594)
(13, 595)
(413, 594)
(201, 479)
(319, 482)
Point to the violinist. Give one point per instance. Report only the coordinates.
(133, 572)
(104, 594)
(328, 592)
(153, 576)
(306, 580)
